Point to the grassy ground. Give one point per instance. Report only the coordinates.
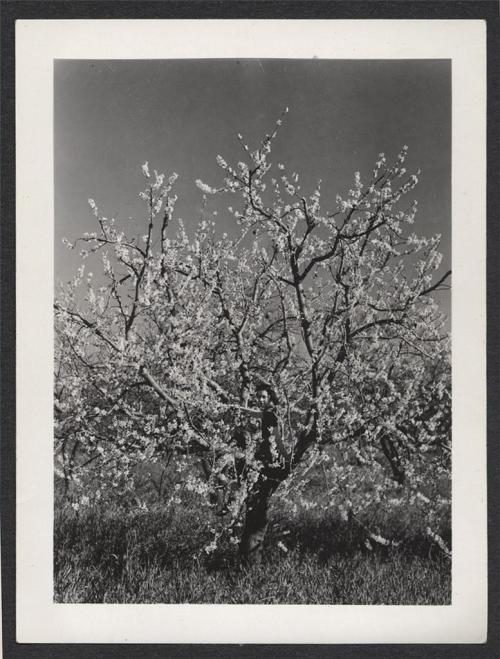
(156, 557)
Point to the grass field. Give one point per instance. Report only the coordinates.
(158, 557)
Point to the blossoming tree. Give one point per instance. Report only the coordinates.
(160, 354)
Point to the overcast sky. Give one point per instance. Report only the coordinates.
(111, 116)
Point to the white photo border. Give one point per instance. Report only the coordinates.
(38, 44)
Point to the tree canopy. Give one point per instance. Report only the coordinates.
(160, 353)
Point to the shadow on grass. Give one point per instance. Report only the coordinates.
(309, 558)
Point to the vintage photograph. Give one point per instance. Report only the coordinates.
(252, 331)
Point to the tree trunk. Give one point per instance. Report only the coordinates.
(392, 456)
(255, 525)
(257, 506)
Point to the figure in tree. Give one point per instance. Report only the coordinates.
(271, 457)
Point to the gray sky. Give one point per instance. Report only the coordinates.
(111, 116)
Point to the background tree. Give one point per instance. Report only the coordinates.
(331, 309)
